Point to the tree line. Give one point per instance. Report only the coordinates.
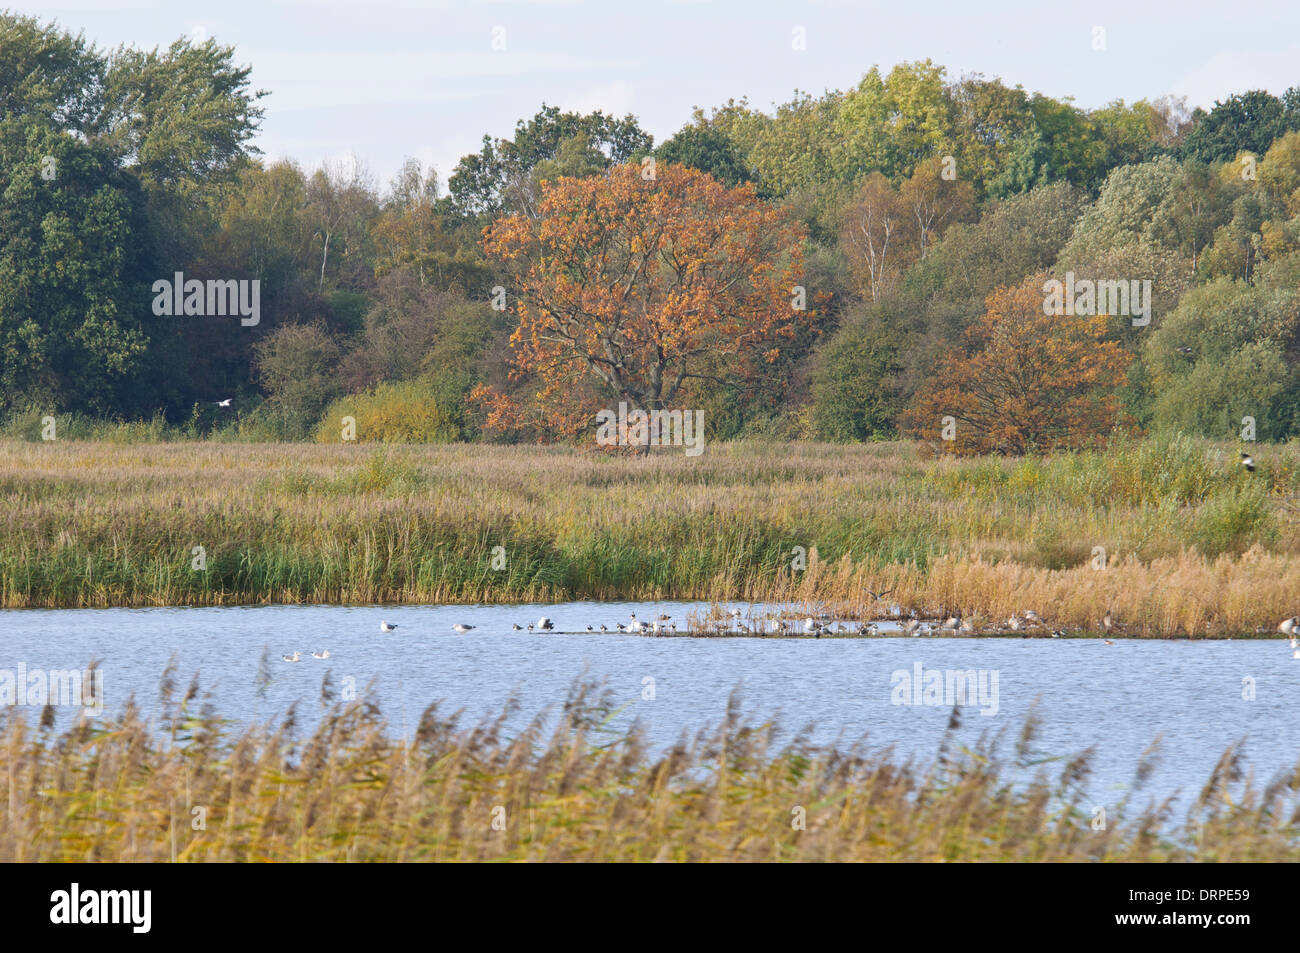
(855, 265)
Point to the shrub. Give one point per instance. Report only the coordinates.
(391, 412)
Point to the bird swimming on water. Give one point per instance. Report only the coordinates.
(385, 627)
(462, 627)
(295, 657)
(545, 623)
(323, 653)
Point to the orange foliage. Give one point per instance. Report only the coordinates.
(640, 289)
(1025, 380)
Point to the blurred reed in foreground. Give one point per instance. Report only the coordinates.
(194, 789)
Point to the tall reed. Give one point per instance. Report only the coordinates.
(192, 788)
(1171, 535)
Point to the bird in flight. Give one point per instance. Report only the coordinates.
(223, 403)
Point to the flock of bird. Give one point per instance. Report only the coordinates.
(1029, 623)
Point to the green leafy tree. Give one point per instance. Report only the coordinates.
(708, 149)
(481, 182)
(1245, 122)
(74, 274)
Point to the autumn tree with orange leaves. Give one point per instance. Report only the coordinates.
(642, 289)
(1024, 380)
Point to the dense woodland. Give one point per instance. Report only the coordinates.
(849, 266)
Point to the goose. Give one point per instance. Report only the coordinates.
(879, 595)
(1290, 626)
(1107, 622)
(911, 626)
(871, 628)
(810, 625)
(295, 657)
(462, 627)
(1014, 623)
(323, 653)
(385, 627)
(1032, 616)
(545, 623)
(1248, 462)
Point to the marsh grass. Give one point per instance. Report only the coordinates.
(192, 788)
(1193, 544)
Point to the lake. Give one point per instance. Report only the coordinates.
(888, 690)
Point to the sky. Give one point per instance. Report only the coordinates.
(384, 80)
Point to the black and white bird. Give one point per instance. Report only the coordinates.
(545, 623)
(385, 627)
(1248, 462)
(462, 627)
(517, 627)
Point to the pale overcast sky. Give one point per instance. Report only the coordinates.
(387, 79)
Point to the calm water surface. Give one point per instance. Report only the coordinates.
(1118, 698)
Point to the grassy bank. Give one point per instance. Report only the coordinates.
(1192, 543)
(570, 789)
